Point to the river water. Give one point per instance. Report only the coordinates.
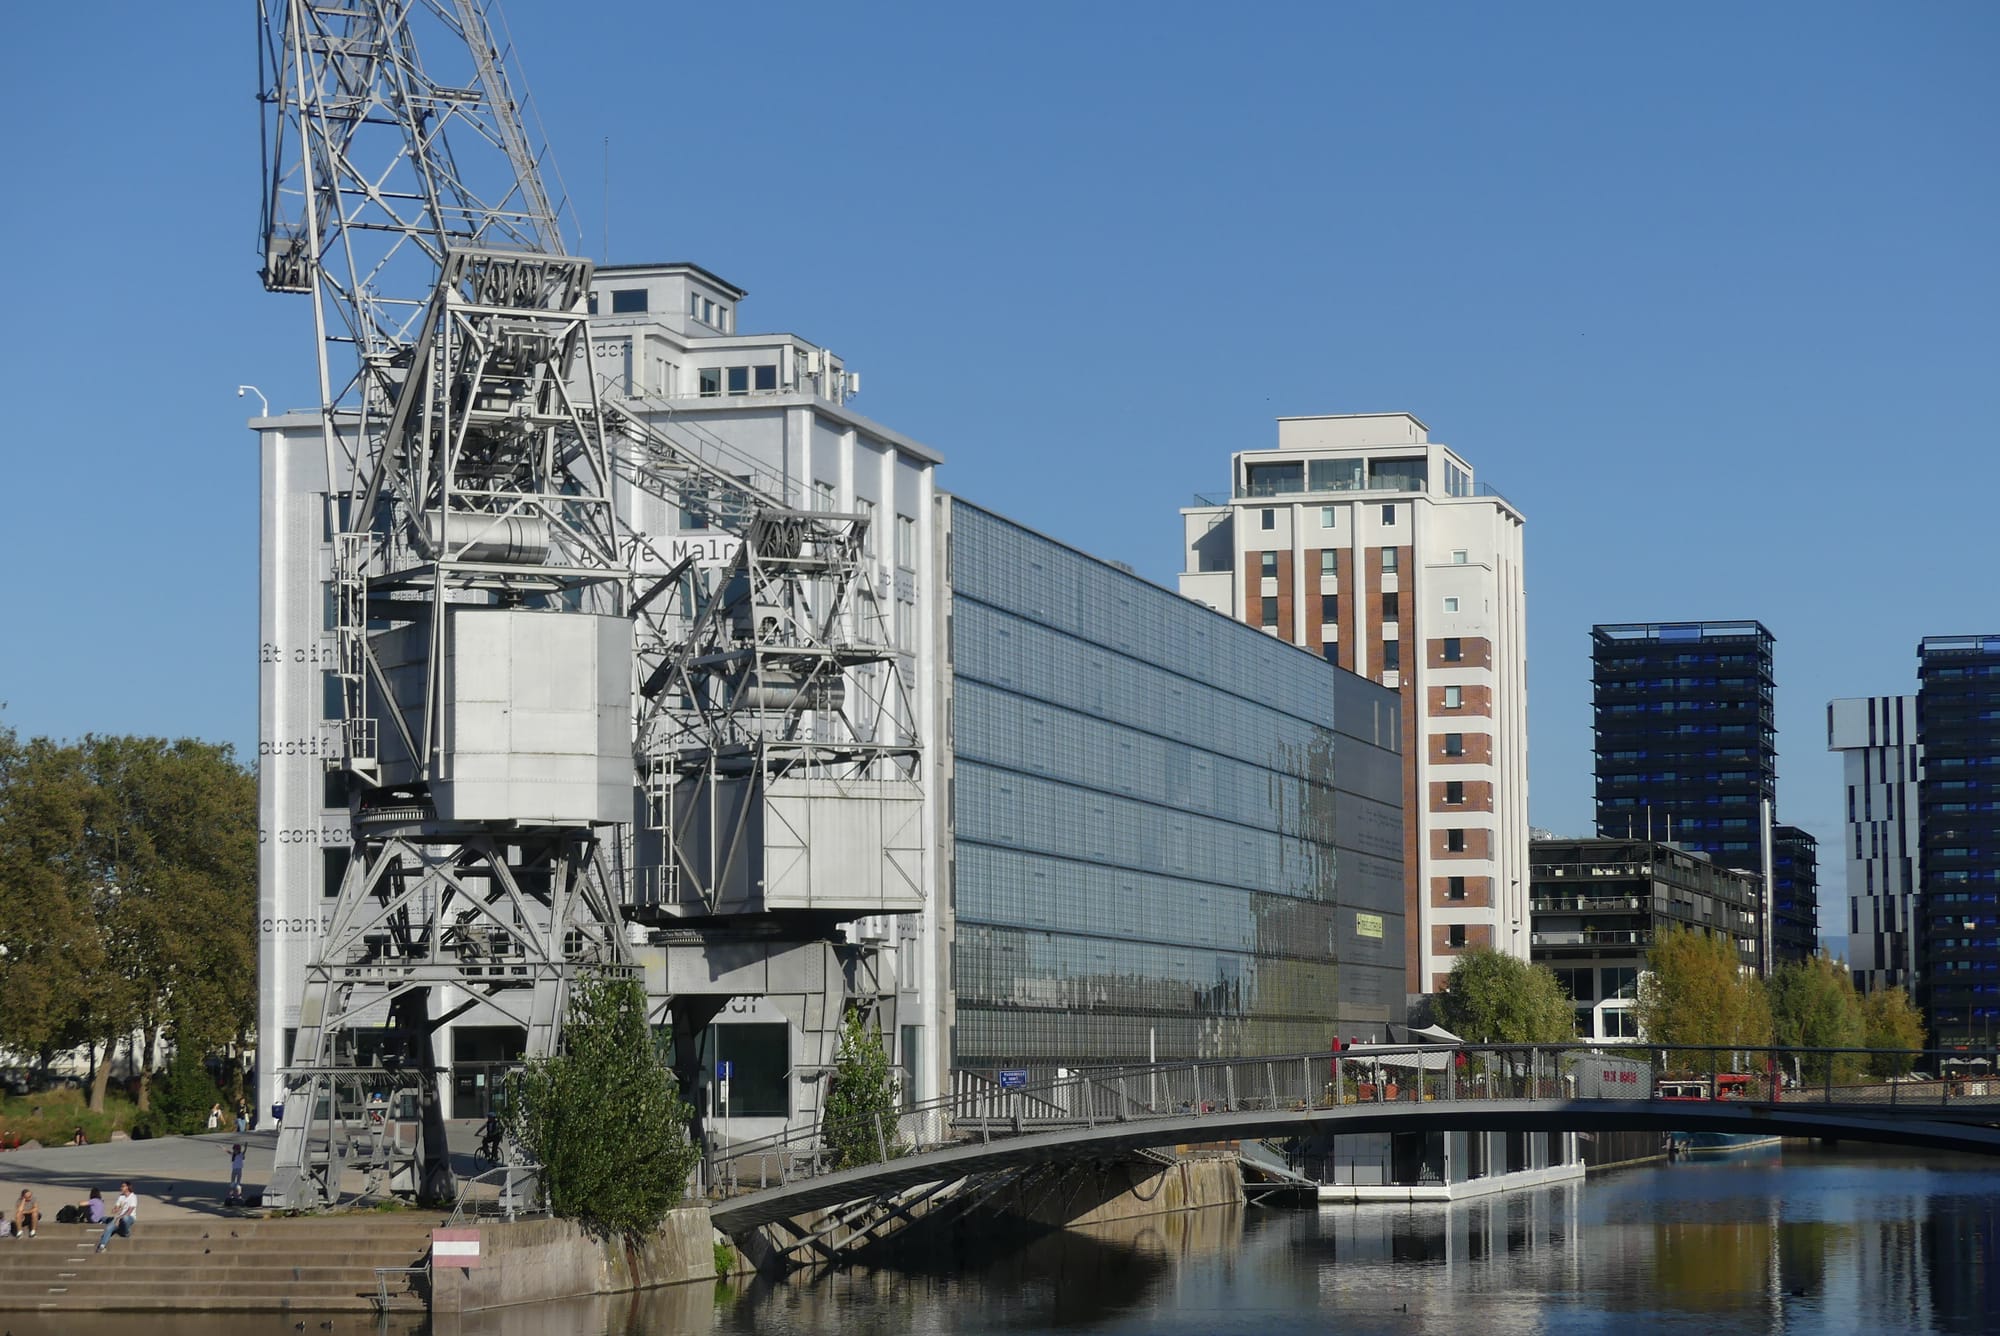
(1798, 1241)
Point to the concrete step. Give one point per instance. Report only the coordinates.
(303, 1264)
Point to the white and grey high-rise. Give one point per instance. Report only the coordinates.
(1877, 737)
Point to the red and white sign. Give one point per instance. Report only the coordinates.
(455, 1247)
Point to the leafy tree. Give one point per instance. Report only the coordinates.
(603, 1118)
(1695, 992)
(1495, 998)
(1890, 1022)
(861, 1102)
(130, 891)
(1813, 1005)
(51, 952)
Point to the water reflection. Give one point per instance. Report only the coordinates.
(1811, 1242)
(1804, 1242)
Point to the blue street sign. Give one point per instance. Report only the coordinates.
(724, 1070)
(1014, 1078)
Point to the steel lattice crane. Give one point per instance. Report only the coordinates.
(477, 556)
(486, 594)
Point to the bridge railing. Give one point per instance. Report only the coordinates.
(981, 1109)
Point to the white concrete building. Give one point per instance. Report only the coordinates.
(1881, 761)
(1361, 538)
(772, 409)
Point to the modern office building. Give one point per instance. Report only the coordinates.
(1598, 904)
(1881, 760)
(1168, 834)
(1360, 539)
(1171, 835)
(1958, 819)
(1686, 735)
(1794, 894)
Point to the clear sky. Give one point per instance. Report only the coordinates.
(1707, 290)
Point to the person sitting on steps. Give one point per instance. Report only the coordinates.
(89, 1211)
(27, 1215)
(124, 1215)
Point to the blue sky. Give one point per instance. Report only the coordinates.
(1707, 290)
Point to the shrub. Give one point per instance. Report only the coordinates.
(181, 1098)
(860, 1121)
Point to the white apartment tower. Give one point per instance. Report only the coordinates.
(1882, 759)
(1362, 539)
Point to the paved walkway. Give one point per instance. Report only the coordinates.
(175, 1177)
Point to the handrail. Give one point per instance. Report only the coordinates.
(1372, 1073)
(516, 1183)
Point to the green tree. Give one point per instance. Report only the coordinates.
(51, 952)
(861, 1102)
(1694, 991)
(170, 848)
(603, 1118)
(183, 1096)
(1814, 1005)
(1494, 998)
(1891, 1023)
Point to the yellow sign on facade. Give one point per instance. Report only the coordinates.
(1368, 925)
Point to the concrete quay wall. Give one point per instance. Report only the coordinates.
(1106, 1194)
(534, 1261)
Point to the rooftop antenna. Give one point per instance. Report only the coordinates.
(606, 212)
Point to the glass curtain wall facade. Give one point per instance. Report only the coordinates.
(1171, 833)
(1686, 735)
(1794, 895)
(1958, 820)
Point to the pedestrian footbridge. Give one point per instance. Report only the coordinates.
(1099, 1115)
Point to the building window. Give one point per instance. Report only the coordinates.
(1454, 792)
(1270, 518)
(1454, 888)
(1392, 606)
(591, 305)
(711, 382)
(1270, 613)
(1329, 561)
(906, 542)
(1454, 840)
(628, 301)
(764, 379)
(1454, 936)
(1454, 744)
(1389, 559)
(739, 379)
(1389, 515)
(1454, 697)
(1451, 602)
(1454, 649)
(332, 871)
(694, 305)
(1392, 656)
(822, 496)
(1268, 565)
(1329, 609)
(1458, 556)
(1326, 517)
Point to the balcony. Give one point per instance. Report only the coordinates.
(1593, 939)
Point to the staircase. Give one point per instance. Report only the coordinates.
(306, 1264)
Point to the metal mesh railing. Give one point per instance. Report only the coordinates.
(981, 1111)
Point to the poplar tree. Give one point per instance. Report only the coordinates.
(603, 1117)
